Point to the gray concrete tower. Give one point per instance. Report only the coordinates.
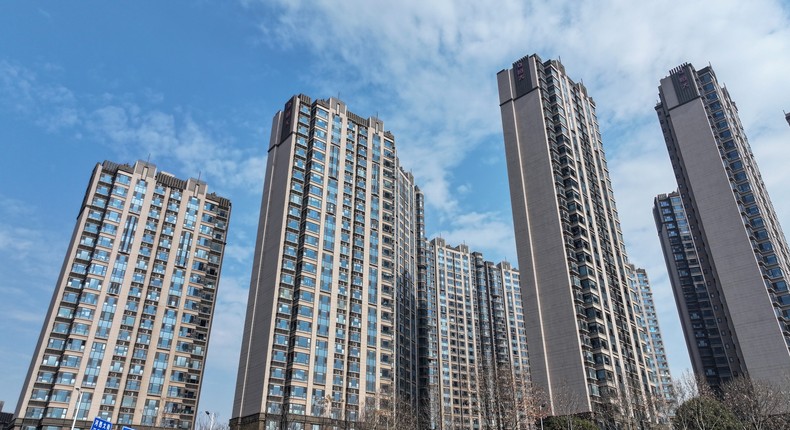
(726, 252)
(580, 321)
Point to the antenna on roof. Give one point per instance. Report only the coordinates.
(197, 183)
(148, 160)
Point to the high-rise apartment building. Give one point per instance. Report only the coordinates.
(126, 333)
(409, 226)
(663, 390)
(580, 320)
(727, 255)
(330, 329)
(353, 315)
(479, 364)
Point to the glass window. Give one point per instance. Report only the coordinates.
(59, 413)
(123, 179)
(34, 412)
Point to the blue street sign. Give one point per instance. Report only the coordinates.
(100, 424)
(126, 428)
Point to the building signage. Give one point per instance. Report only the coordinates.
(100, 424)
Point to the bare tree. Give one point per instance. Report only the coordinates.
(689, 386)
(699, 408)
(384, 413)
(486, 394)
(661, 408)
(210, 421)
(634, 410)
(567, 402)
(664, 408)
(758, 405)
(534, 403)
(429, 410)
(163, 417)
(507, 402)
(405, 416)
(607, 412)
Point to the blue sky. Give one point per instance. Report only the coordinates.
(194, 85)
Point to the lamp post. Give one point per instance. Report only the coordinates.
(76, 407)
(542, 405)
(211, 420)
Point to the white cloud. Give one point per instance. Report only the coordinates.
(20, 241)
(24, 94)
(25, 245)
(239, 253)
(31, 258)
(430, 68)
(131, 130)
(432, 65)
(137, 133)
(487, 233)
(229, 321)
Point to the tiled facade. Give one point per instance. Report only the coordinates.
(126, 333)
(584, 348)
(330, 331)
(473, 343)
(727, 255)
(660, 383)
(353, 315)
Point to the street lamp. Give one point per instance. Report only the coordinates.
(76, 407)
(211, 421)
(542, 405)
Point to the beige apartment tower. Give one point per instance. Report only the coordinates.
(652, 343)
(581, 325)
(334, 267)
(479, 369)
(126, 333)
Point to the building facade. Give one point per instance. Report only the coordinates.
(706, 348)
(729, 258)
(126, 332)
(661, 386)
(330, 328)
(479, 358)
(579, 318)
(354, 318)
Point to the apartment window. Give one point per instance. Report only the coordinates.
(34, 412)
(59, 413)
(299, 392)
(61, 396)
